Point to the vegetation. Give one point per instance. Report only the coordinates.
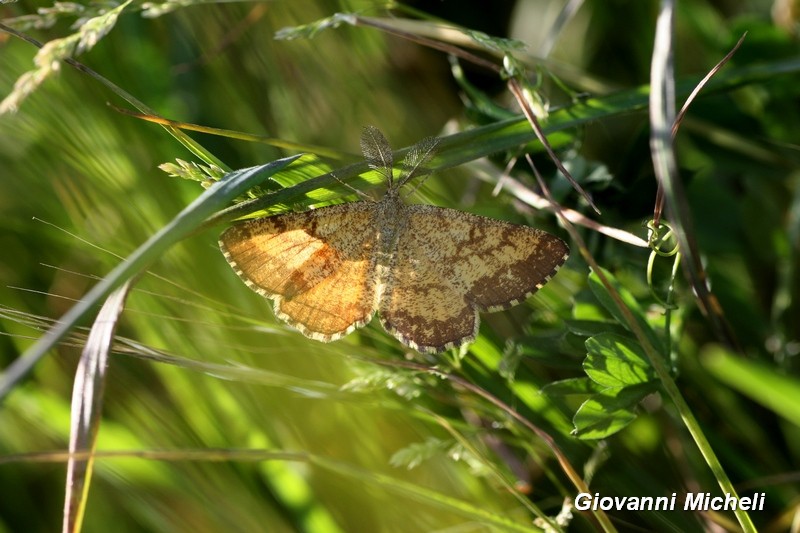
(636, 371)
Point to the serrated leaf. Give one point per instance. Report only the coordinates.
(571, 386)
(616, 361)
(609, 411)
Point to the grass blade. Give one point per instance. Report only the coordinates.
(181, 226)
(87, 403)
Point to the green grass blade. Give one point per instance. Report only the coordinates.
(775, 391)
(183, 224)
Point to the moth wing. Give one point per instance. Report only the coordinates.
(449, 265)
(318, 266)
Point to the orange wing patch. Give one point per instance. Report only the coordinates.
(428, 269)
(317, 267)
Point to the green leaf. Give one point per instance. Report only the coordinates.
(571, 386)
(616, 361)
(601, 293)
(609, 411)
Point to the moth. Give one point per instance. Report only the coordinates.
(427, 271)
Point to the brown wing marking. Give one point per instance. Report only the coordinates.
(503, 264)
(449, 265)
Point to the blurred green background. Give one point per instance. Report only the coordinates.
(264, 430)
